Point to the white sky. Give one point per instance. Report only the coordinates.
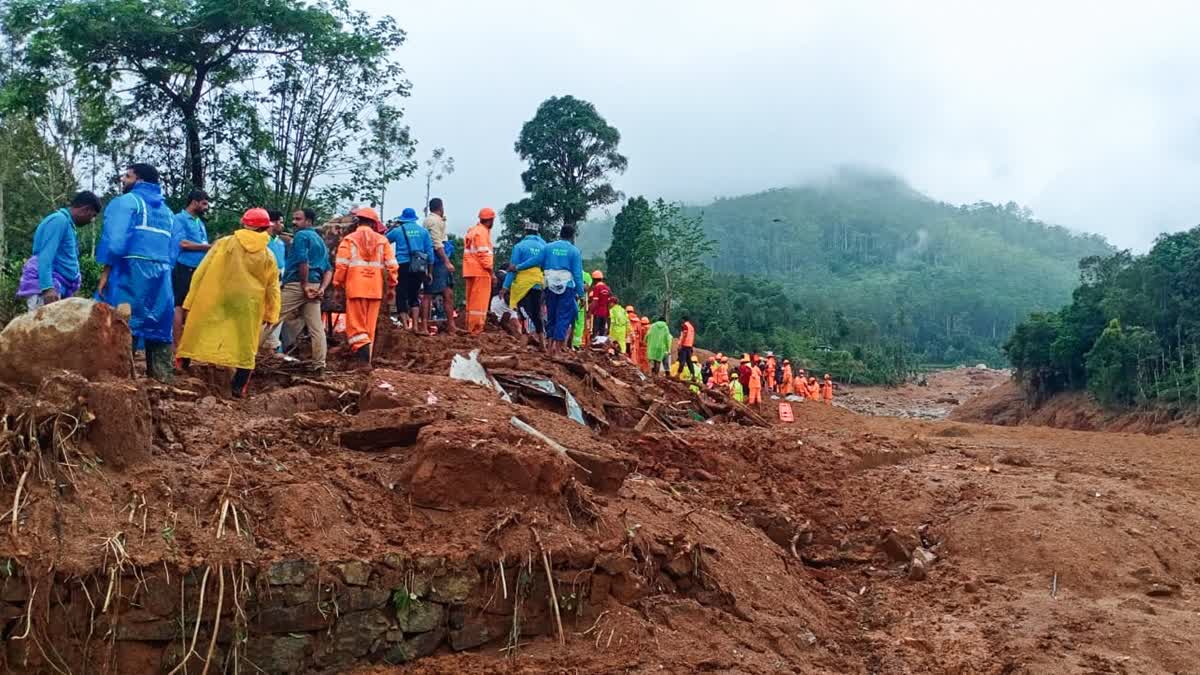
(1089, 114)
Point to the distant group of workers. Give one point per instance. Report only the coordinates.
(259, 289)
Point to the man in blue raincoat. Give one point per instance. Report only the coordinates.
(135, 250)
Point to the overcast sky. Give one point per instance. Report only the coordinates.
(1091, 117)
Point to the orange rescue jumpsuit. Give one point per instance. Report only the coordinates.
(477, 272)
(814, 389)
(635, 326)
(770, 373)
(827, 391)
(362, 257)
(786, 387)
(755, 386)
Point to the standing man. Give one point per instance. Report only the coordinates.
(52, 272)
(658, 345)
(135, 251)
(414, 255)
(687, 342)
(525, 278)
(234, 295)
(599, 300)
(278, 249)
(439, 283)
(618, 324)
(827, 390)
(189, 243)
(362, 258)
(562, 269)
(306, 275)
(477, 270)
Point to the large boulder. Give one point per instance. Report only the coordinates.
(75, 334)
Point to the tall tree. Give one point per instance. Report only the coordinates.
(630, 260)
(681, 250)
(438, 166)
(572, 153)
(177, 53)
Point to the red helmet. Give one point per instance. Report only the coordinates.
(487, 214)
(257, 218)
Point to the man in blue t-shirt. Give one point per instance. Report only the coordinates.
(189, 243)
(306, 275)
(52, 272)
(409, 239)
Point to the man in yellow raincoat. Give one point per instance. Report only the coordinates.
(233, 294)
(618, 325)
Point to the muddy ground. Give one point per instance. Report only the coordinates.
(840, 542)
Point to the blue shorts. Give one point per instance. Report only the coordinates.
(561, 310)
(441, 280)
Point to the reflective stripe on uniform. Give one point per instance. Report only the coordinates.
(483, 249)
(355, 339)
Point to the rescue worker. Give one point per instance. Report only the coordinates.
(706, 371)
(414, 255)
(769, 373)
(189, 243)
(658, 346)
(363, 257)
(305, 277)
(583, 327)
(800, 384)
(785, 385)
(640, 355)
(735, 388)
(827, 390)
(477, 270)
(814, 389)
(525, 278)
(52, 272)
(687, 341)
(234, 294)
(562, 272)
(135, 251)
(744, 373)
(442, 272)
(756, 387)
(599, 302)
(721, 371)
(618, 324)
(635, 328)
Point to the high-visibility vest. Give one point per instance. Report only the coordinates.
(477, 252)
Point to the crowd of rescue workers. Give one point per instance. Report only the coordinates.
(263, 290)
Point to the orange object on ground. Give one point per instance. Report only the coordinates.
(477, 272)
(785, 412)
(362, 258)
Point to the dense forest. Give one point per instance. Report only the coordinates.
(1130, 335)
(863, 259)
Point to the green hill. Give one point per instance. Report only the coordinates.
(865, 253)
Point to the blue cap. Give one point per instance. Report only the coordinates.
(408, 216)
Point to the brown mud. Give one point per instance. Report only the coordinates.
(399, 517)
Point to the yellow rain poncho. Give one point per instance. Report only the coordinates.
(233, 293)
(523, 282)
(618, 326)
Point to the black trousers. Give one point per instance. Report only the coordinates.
(685, 360)
(532, 305)
(599, 326)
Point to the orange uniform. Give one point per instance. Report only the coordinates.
(477, 272)
(770, 373)
(639, 348)
(687, 337)
(786, 387)
(755, 386)
(633, 336)
(814, 389)
(827, 391)
(363, 256)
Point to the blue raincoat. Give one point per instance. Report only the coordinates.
(135, 243)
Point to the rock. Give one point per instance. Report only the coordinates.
(415, 647)
(421, 617)
(478, 631)
(1160, 591)
(1138, 605)
(615, 563)
(288, 572)
(895, 548)
(296, 619)
(917, 571)
(355, 573)
(701, 474)
(1014, 459)
(382, 429)
(163, 630)
(604, 474)
(971, 587)
(356, 634)
(679, 567)
(924, 555)
(1001, 506)
(454, 586)
(383, 391)
(292, 400)
(279, 654)
(358, 599)
(82, 336)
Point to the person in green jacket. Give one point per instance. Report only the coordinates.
(581, 318)
(658, 345)
(618, 324)
(735, 388)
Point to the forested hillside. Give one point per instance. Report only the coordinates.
(870, 259)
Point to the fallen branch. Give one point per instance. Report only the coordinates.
(296, 379)
(554, 445)
(641, 425)
(562, 640)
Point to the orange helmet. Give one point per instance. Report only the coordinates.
(367, 213)
(257, 217)
(646, 320)
(487, 214)
(628, 308)
(597, 275)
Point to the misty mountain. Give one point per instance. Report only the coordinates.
(951, 281)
